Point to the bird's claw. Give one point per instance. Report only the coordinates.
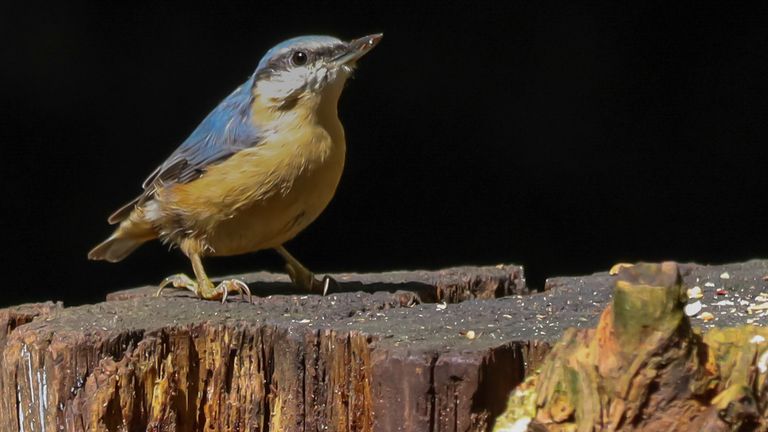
(233, 285)
(306, 280)
(329, 282)
(180, 281)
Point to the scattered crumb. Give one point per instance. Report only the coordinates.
(694, 293)
(693, 308)
(725, 275)
(723, 303)
(706, 316)
(757, 308)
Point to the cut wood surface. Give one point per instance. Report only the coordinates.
(410, 351)
(450, 285)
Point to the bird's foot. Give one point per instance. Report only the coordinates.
(305, 279)
(234, 286)
(177, 281)
(207, 291)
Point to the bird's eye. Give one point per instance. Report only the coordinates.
(299, 58)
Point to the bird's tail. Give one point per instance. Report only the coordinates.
(127, 237)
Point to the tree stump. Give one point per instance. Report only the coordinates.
(645, 368)
(350, 361)
(397, 351)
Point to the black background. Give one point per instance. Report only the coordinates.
(564, 136)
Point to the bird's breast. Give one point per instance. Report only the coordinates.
(271, 192)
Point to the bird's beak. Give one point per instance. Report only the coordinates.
(358, 48)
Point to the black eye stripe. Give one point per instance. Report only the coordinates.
(283, 62)
(330, 52)
(322, 52)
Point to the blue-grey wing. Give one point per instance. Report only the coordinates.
(224, 132)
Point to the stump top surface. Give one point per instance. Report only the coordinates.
(464, 334)
(438, 327)
(389, 311)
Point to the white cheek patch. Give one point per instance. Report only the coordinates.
(283, 84)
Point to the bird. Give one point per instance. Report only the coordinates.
(255, 172)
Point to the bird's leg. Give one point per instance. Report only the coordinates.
(203, 287)
(207, 291)
(302, 277)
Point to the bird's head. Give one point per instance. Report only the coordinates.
(307, 70)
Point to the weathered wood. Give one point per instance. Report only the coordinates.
(350, 361)
(645, 368)
(12, 317)
(378, 355)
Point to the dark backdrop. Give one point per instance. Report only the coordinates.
(561, 136)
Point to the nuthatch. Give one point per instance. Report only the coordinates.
(258, 170)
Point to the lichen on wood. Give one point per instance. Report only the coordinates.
(645, 368)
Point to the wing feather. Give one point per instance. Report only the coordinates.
(226, 130)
